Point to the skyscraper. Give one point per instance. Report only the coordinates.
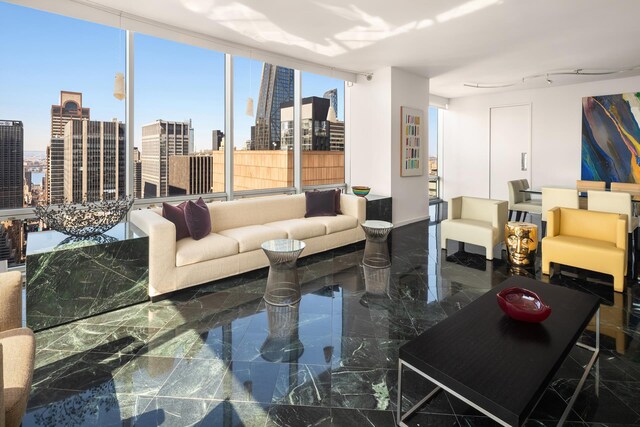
(332, 96)
(70, 108)
(160, 140)
(315, 127)
(217, 140)
(94, 160)
(276, 88)
(11, 158)
(137, 173)
(191, 174)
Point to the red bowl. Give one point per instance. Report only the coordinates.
(523, 304)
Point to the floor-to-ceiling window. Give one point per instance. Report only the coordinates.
(61, 128)
(322, 128)
(179, 119)
(435, 181)
(261, 159)
(64, 135)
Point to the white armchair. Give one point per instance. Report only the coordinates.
(477, 221)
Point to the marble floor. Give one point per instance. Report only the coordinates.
(218, 355)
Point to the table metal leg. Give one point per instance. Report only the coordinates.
(587, 369)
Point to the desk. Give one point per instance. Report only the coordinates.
(70, 278)
(496, 364)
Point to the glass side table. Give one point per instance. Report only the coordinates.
(283, 287)
(376, 252)
(283, 342)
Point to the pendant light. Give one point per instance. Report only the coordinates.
(118, 87)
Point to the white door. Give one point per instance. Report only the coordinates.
(510, 145)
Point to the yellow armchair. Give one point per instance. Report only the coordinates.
(590, 240)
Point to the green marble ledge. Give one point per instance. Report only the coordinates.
(71, 279)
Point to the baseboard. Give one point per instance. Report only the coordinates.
(411, 221)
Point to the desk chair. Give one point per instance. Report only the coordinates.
(520, 203)
(584, 186)
(557, 197)
(618, 202)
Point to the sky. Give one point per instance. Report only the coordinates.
(44, 53)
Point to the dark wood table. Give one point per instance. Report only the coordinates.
(498, 365)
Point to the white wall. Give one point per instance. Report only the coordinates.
(410, 193)
(374, 139)
(370, 132)
(556, 126)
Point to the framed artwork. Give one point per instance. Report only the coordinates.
(411, 141)
(611, 138)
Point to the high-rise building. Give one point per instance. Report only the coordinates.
(217, 140)
(11, 159)
(70, 107)
(314, 124)
(160, 140)
(137, 173)
(276, 88)
(94, 160)
(336, 135)
(332, 96)
(191, 174)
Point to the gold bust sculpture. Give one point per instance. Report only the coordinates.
(521, 239)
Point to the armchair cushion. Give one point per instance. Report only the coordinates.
(10, 300)
(18, 354)
(591, 240)
(476, 221)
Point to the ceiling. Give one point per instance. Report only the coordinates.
(450, 41)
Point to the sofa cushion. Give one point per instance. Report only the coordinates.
(175, 214)
(299, 228)
(250, 238)
(197, 218)
(212, 246)
(18, 351)
(320, 203)
(334, 224)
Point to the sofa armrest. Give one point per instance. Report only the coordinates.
(621, 232)
(455, 208)
(2, 411)
(354, 206)
(10, 300)
(162, 249)
(553, 222)
(499, 217)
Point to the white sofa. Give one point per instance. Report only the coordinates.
(474, 220)
(239, 227)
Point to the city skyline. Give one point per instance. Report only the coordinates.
(162, 89)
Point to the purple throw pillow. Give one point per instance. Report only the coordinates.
(338, 192)
(175, 214)
(198, 219)
(320, 203)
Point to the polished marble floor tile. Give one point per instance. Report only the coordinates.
(218, 355)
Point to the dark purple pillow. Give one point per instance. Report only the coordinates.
(175, 214)
(338, 192)
(320, 203)
(198, 219)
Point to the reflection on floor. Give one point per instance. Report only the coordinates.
(217, 355)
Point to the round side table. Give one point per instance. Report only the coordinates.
(283, 287)
(521, 239)
(376, 252)
(283, 342)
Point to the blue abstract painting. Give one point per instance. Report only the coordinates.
(611, 138)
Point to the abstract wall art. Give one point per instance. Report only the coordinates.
(411, 142)
(611, 138)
